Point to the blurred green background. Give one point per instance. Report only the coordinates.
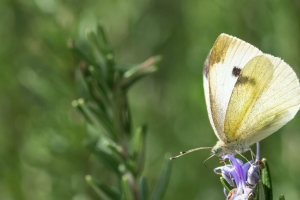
(42, 153)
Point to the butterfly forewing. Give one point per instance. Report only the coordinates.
(226, 59)
(206, 92)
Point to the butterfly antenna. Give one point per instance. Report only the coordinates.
(189, 151)
(207, 160)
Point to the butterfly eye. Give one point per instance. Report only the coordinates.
(217, 150)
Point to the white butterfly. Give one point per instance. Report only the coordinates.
(249, 95)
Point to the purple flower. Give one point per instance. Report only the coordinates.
(242, 177)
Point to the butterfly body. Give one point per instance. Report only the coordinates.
(222, 148)
(249, 94)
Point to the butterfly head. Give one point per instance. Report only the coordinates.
(217, 151)
(222, 148)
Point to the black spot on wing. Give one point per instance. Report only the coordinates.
(236, 71)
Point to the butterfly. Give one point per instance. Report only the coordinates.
(249, 94)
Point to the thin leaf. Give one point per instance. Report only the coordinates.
(126, 188)
(107, 54)
(116, 150)
(82, 87)
(93, 41)
(102, 189)
(79, 105)
(143, 188)
(139, 148)
(122, 113)
(78, 53)
(163, 180)
(102, 54)
(103, 87)
(94, 93)
(266, 180)
(136, 73)
(102, 119)
(260, 191)
(92, 117)
(101, 38)
(108, 160)
(225, 185)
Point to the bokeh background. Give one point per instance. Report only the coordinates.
(42, 153)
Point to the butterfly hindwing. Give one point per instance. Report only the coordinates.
(266, 100)
(251, 82)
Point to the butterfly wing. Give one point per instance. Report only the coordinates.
(265, 97)
(207, 98)
(227, 57)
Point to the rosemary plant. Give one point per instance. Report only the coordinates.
(112, 139)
